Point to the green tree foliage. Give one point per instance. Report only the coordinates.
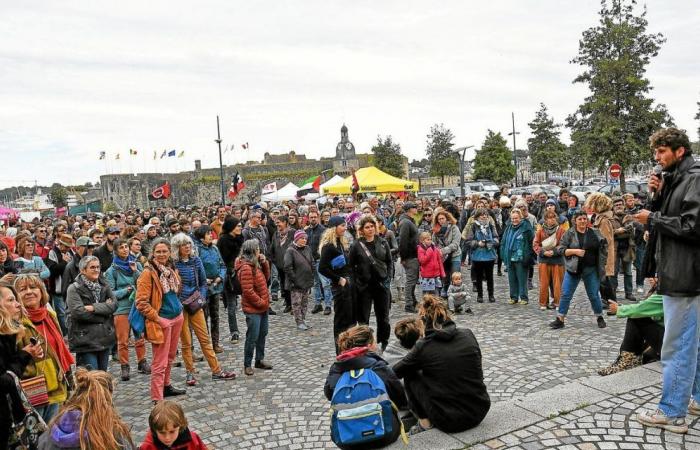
(388, 157)
(443, 160)
(547, 152)
(618, 117)
(494, 161)
(58, 196)
(697, 117)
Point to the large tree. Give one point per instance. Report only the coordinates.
(443, 160)
(618, 116)
(58, 195)
(388, 157)
(547, 152)
(494, 161)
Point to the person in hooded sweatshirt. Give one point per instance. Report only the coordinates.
(91, 406)
(358, 350)
(442, 374)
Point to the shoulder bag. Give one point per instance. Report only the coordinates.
(194, 302)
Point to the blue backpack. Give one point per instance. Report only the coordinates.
(361, 411)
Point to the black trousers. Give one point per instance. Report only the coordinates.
(286, 294)
(343, 310)
(211, 313)
(642, 333)
(375, 294)
(484, 271)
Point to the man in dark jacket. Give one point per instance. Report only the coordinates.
(322, 285)
(675, 244)
(281, 241)
(57, 260)
(408, 252)
(105, 252)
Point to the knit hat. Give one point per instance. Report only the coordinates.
(551, 201)
(335, 221)
(229, 224)
(300, 234)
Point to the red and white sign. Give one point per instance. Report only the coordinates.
(615, 171)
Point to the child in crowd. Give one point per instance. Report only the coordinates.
(431, 268)
(168, 429)
(407, 331)
(457, 298)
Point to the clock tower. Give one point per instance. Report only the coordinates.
(345, 158)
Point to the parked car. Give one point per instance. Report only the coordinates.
(631, 187)
(453, 192)
(489, 186)
(582, 191)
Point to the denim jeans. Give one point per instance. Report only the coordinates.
(517, 280)
(255, 337)
(626, 268)
(59, 305)
(638, 261)
(93, 360)
(412, 269)
(592, 284)
(322, 288)
(679, 355)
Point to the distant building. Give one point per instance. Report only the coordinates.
(345, 158)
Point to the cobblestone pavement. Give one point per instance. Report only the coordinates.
(285, 407)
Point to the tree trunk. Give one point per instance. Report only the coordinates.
(443, 179)
(622, 180)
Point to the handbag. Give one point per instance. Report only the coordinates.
(136, 321)
(338, 262)
(194, 302)
(36, 390)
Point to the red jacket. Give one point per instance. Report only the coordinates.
(187, 440)
(430, 260)
(255, 297)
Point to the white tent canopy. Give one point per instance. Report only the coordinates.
(288, 192)
(331, 182)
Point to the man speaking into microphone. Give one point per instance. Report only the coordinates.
(675, 207)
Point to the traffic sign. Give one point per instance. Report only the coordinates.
(615, 171)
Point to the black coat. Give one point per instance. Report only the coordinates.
(365, 269)
(408, 238)
(14, 360)
(677, 228)
(105, 256)
(449, 361)
(328, 253)
(277, 249)
(70, 274)
(298, 268)
(229, 247)
(90, 331)
(8, 266)
(314, 234)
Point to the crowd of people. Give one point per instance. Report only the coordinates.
(77, 291)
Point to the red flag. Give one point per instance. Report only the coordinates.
(355, 184)
(317, 184)
(237, 185)
(161, 192)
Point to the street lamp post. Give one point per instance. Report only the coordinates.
(461, 166)
(515, 156)
(221, 164)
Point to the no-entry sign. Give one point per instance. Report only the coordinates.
(615, 171)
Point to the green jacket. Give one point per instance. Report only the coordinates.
(652, 307)
(119, 281)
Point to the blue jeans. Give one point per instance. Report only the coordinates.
(231, 306)
(255, 337)
(60, 307)
(322, 288)
(626, 268)
(517, 280)
(679, 355)
(592, 283)
(48, 411)
(638, 261)
(93, 360)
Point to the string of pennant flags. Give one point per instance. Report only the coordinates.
(166, 153)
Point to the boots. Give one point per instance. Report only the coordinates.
(125, 372)
(626, 360)
(144, 367)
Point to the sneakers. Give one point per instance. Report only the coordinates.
(626, 360)
(556, 324)
(224, 375)
(694, 408)
(327, 311)
(523, 302)
(480, 299)
(630, 297)
(190, 380)
(601, 322)
(512, 302)
(317, 309)
(218, 348)
(263, 365)
(144, 367)
(640, 290)
(287, 309)
(303, 327)
(658, 419)
(235, 337)
(410, 309)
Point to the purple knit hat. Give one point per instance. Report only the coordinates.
(300, 234)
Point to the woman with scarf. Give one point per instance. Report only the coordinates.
(370, 259)
(482, 240)
(122, 276)
(194, 282)
(601, 206)
(28, 261)
(7, 265)
(156, 299)
(91, 305)
(516, 251)
(551, 265)
(299, 277)
(41, 324)
(447, 237)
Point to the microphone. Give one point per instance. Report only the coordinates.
(657, 171)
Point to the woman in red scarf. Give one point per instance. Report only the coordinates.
(41, 323)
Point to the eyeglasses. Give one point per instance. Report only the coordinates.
(93, 267)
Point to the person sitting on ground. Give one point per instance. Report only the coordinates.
(358, 350)
(458, 295)
(644, 332)
(443, 375)
(168, 428)
(88, 419)
(407, 332)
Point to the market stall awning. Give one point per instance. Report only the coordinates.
(371, 179)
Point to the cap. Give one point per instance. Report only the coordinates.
(409, 205)
(550, 201)
(335, 221)
(110, 230)
(84, 241)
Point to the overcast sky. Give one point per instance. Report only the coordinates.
(77, 78)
